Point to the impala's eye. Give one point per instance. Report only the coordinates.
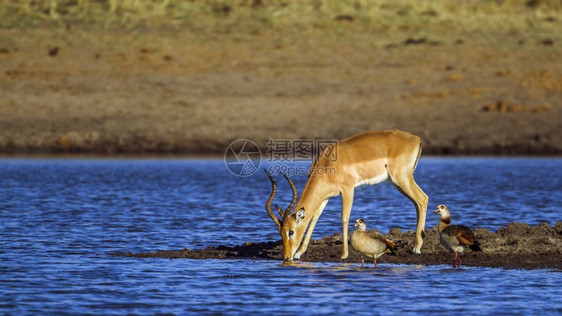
(291, 232)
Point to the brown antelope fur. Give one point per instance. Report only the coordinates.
(366, 158)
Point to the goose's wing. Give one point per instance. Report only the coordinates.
(376, 235)
(464, 234)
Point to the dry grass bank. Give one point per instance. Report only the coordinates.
(138, 77)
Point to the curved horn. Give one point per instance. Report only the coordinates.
(268, 203)
(295, 194)
(280, 210)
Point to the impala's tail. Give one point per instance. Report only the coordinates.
(419, 155)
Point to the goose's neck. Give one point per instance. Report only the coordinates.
(444, 223)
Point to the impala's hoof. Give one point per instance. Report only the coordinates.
(344, 256)
(297, 256)
(416, 251)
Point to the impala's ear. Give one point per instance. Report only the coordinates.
(299, 216)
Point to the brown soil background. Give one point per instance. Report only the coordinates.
(516, 245)
(147, 82)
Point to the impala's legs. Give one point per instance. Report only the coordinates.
(313, 221)
(407, 186)
(347, 201)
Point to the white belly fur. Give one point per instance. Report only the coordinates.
(372, 181)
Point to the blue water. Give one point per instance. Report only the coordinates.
(61, 219)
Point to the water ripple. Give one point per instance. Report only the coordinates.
(60, 219)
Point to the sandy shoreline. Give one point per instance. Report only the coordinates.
(109, 93)
(514, 246)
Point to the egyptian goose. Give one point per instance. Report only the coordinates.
(370, 243)
(455, 237)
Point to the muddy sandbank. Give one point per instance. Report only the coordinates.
(514, 246)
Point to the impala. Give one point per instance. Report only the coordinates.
(366, 158)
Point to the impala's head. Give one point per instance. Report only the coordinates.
(291, 226)
(443, 210)
(292, 231)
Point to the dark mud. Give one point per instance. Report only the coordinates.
(515, 246)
